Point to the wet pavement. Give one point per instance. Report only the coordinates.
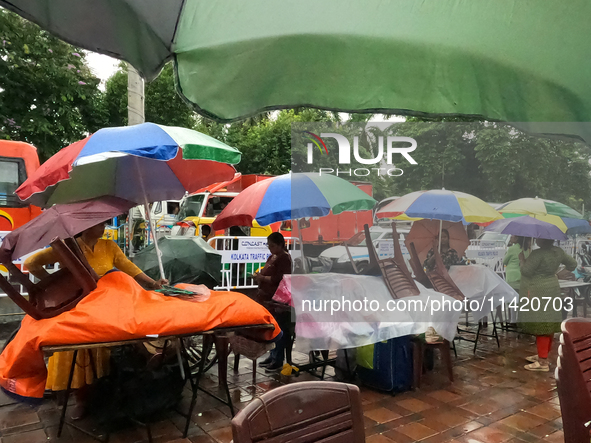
(492, 400)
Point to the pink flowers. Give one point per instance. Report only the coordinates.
(71, 66)
(76, 54)
(81, 83)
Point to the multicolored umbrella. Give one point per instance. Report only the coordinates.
(290, 197)
(527, 226)
(438, 57)
(440, 204)
(538, 207)
(133, 163)
(570, 226)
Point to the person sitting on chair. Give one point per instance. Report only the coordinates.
(102, 256)
(448, 255)
(277, 265)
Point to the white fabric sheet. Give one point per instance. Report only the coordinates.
(319, 329)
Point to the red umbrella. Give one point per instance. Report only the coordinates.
(423, 232)
(61, 221)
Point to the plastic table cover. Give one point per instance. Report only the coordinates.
(486, 288)
(319, 329)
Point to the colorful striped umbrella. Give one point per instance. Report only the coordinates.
(291, 197)
(132, 162)
(538, 207)
(570, 226)
(440, 204)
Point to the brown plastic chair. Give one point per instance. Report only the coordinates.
(419, 348)
(59, 292)
(573, 378)
(396, 275)
(417, 267)
(303, 412)
(440, 278)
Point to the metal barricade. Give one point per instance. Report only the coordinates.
(243, 256)
(488, 253)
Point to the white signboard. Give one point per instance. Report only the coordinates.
(386, 249)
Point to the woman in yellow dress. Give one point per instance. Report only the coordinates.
(102, 255)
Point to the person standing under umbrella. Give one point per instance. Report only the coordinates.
(103, 256)
(539, 281)
(511, 259)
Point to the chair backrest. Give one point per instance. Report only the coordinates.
(306, 412)
(373, 256)
(60, 291)
(417, 267)
(440, 278)
(573, 378)
(396, 275)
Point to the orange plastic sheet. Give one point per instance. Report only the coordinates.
(119, 309)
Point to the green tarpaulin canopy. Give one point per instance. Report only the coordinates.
(517, 61)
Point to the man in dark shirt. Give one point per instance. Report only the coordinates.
(277, 265)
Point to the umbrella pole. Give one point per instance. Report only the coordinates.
(304, 266)
(147, 208)
(440, 230)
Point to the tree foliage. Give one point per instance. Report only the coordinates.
(48, 96)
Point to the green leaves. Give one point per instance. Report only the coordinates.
(42, 101)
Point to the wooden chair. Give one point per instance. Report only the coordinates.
(573, 378)
(305, 412)
(60, 291)
(394, 270)
(443, 283)
(417, 267)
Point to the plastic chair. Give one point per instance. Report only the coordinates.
(396, 275)
(419, 348)
(573, 378)
(305, 412)
(60, 291)
(440, 278)
(417, 267)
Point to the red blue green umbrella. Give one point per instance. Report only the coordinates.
(146, 161)
(291, 197)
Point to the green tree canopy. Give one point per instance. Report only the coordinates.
(48, 96)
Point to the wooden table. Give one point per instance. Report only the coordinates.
(219, 336)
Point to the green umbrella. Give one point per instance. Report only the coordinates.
(185, 260)
(517, 61)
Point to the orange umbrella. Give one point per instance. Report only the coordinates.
(423, 232)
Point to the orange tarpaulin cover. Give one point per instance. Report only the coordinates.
(119, 309)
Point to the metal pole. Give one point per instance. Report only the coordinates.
(135, 116)
(135, 97)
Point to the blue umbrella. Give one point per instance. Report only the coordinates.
(527, 226)
(576, 226)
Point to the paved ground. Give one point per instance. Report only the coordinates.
(492, 400)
